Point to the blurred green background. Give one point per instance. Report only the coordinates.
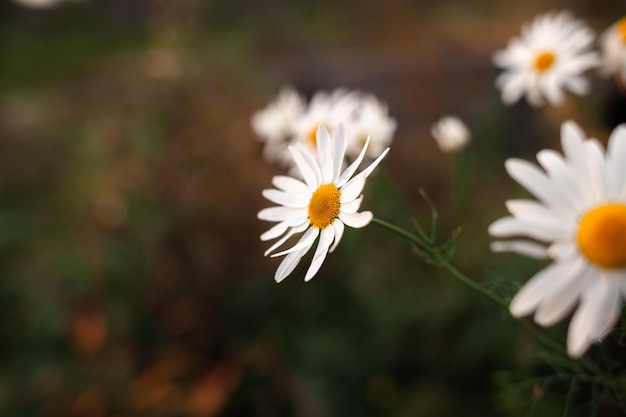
(132, 277)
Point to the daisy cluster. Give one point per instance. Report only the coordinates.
(577, 220)
(552, 55)
(289, 120)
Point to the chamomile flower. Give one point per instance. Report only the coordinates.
(328, 110)
(578, 222)
(275, 124)
(613, 42)
(451, 134)
(320, 205)
(550, 56)
(372, 120)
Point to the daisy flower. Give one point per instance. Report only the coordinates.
(550, 56)
(372, 120)
(275, 124)
(320, 205)
(328, 110)
(451, 134)
(613, 43)
(578, 222)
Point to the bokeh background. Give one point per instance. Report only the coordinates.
(132, 277)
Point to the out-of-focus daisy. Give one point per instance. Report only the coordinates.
(613, 42)
(328, 110)
(372, 120)
(320, 205)
(276, 123)
(451, 134)
(550, 56)
(579, 222)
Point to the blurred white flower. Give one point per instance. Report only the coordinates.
(320, 205)
(451, 134)
(275, 124)
(579, 223)
(550, 56)
(613, 42)
(328, 110)
(371, 119)
(290, 120)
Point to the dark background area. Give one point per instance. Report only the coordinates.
(132, 277)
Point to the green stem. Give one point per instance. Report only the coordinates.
(440, 260)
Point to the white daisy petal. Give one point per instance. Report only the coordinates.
(367, 171)
(353, 188)
(534, 212)
(535, 181)
(347, 174)
(352, 206)
(535, 229)
(339, 228)
(563, 249)
(616, 163)
(555, 306)
(595, 315)
(356, 220)
(291, 185)
(305, 241)
(288, 264)
(278, 214)
(293, 231)
(324, 154)
(286, 199)
(326, 238)
(275, 231)
(543, 283)
(339, 153)
(578, 85)
(303, 161)
(521, 247)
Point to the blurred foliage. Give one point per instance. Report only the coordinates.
(132, 280)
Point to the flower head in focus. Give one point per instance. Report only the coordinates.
(319, 205)
(371, 119)
(550, 56)
(613, 42)
(451, 134)
(579, 222)
(275, 124)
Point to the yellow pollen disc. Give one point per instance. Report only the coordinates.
(313, 133)
(621, 28)
(544, 61)
(324, 205)
(602, 236)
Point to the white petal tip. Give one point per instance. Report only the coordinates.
(519, 309)
(578, 349)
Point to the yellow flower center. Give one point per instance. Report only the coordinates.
(544, 61)
(602, 236)
(313, 133)
(324, 205)
(621, 28)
